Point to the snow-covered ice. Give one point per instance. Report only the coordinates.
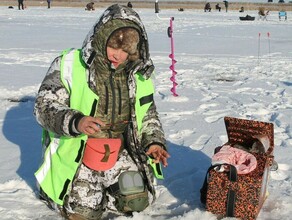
(225, 67)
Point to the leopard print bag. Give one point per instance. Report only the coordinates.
(228, 194)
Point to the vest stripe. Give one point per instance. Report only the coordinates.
(43, 170)
(146, 99)
(79, 155)
(90, 59)
(64, 191)
(93, 109)
(67, 69)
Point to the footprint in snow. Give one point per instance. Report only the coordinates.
(214, 118)
(181, 134)
(283, 166)
(278, 175)
(201, 142)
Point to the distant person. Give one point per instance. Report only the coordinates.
(241, 9)
(262, 14)
(130, 5)
(20, 5)
(207, 7)
(90, 6)
(49, 3)
(261, 11)
(218, 7)
(226, 5)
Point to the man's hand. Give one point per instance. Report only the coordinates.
(89, 125)
(159, 154)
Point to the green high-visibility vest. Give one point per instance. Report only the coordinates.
(64, 154)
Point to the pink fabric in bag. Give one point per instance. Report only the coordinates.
(242, 160)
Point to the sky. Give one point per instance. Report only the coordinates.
(225, 67)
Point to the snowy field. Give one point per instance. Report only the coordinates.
(225, 67)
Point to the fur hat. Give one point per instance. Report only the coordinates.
(126, 39)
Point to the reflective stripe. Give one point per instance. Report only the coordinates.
(67, 69)
(43, 170)
(66, 77)
(56, 173)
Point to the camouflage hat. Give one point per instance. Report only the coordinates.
(126, 39)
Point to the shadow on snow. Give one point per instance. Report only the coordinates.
(21, 128)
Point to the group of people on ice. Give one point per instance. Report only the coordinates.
(208, 7)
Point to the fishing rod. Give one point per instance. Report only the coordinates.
(268, 35)
(269, 50)
(259, 48)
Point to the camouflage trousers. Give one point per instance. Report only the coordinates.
(89, 197)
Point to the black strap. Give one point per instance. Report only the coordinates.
(80, 151)
(204, 188)
(93, 108)
(232, 173)
(231, 196)
(146, 99)
(64, 191)
(230, 199)
(91, 57)
(114, 188)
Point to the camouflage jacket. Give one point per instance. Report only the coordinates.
(52, 107)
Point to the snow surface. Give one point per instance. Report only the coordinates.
(225, 67)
